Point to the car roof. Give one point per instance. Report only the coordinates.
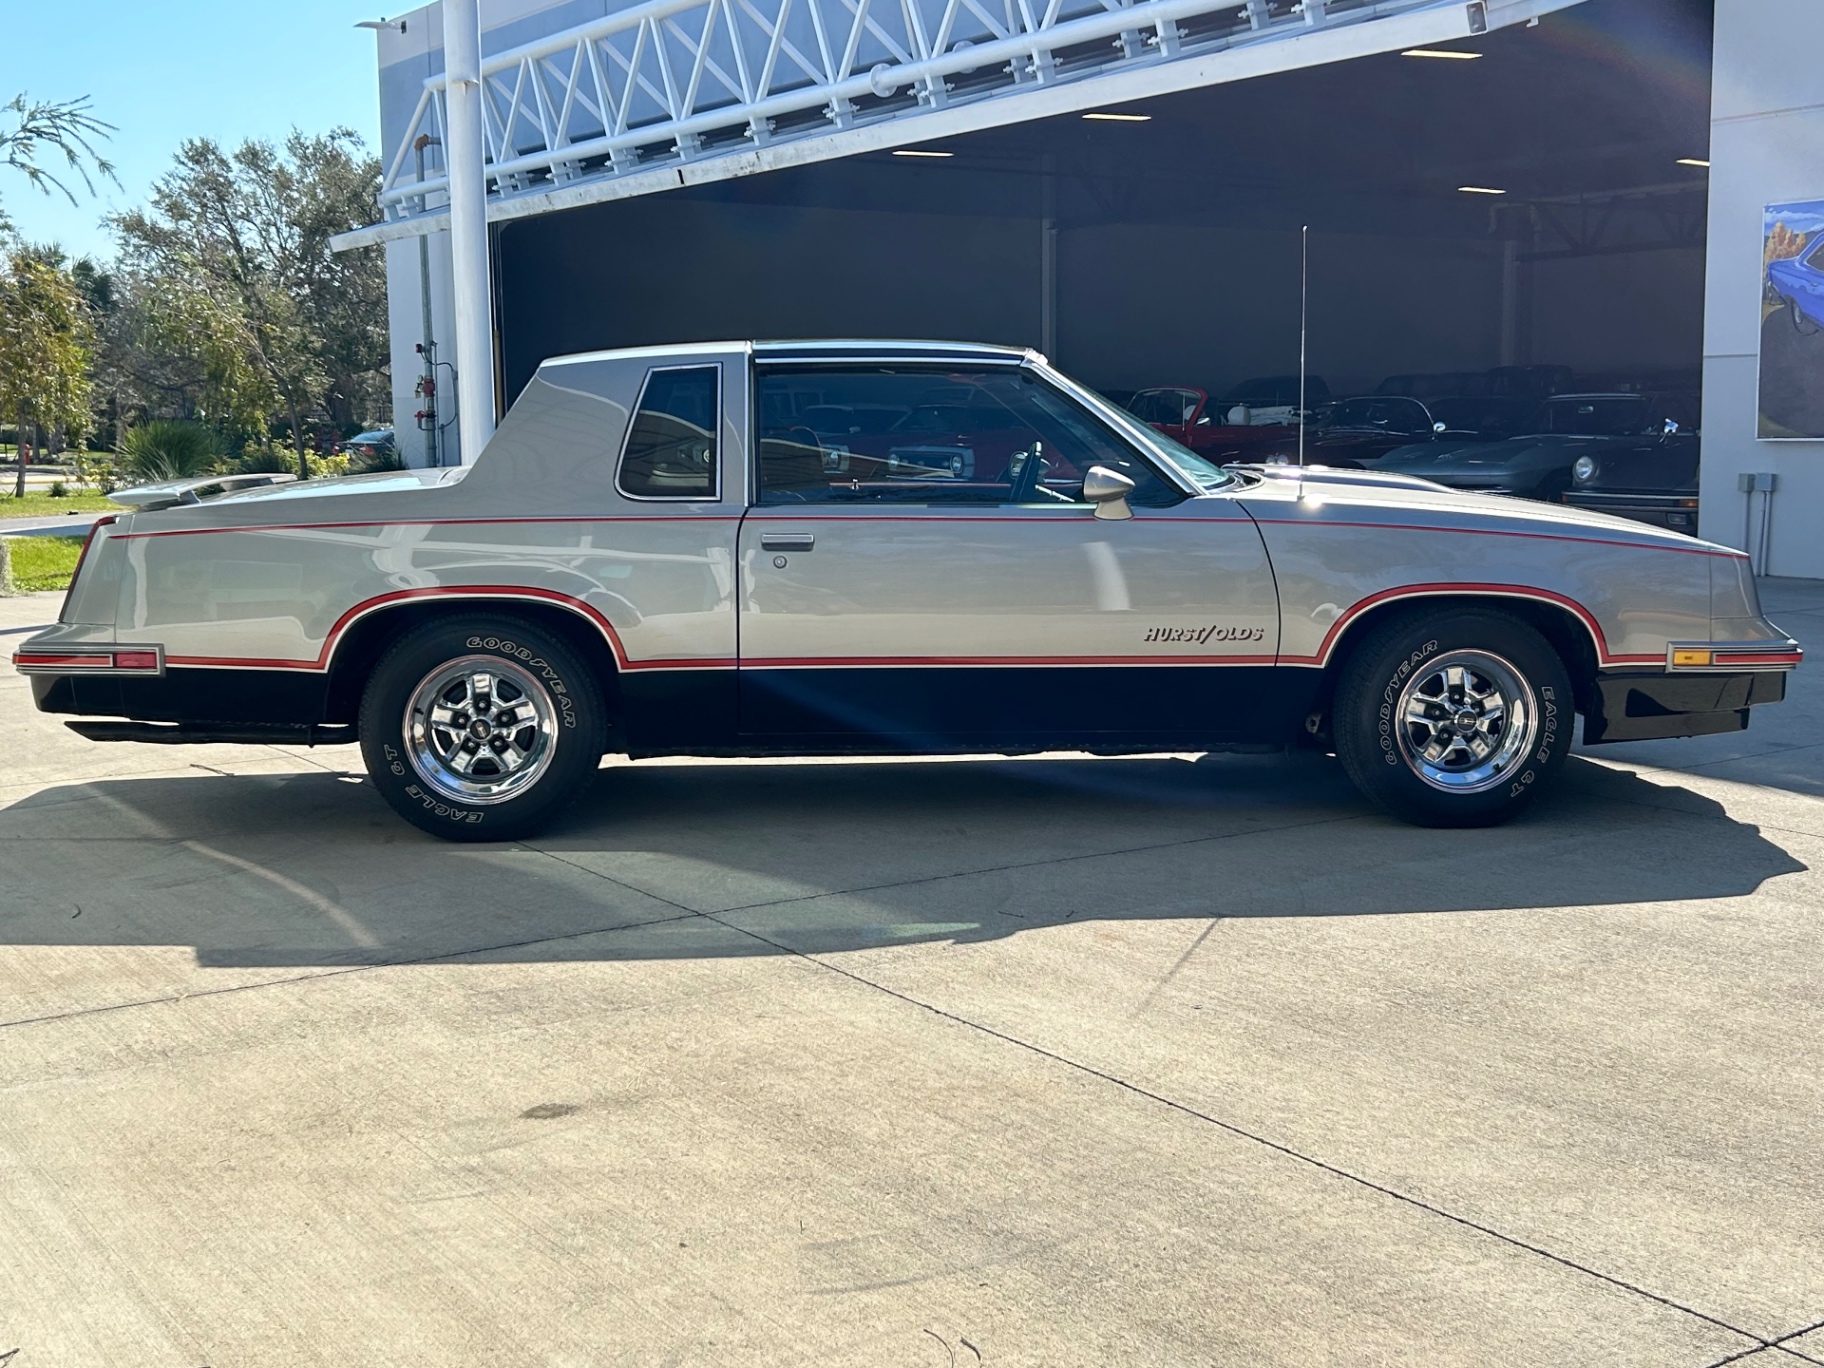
(887, 349)
(821, 349)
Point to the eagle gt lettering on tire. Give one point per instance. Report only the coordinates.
(1453, 717)
(481, 729)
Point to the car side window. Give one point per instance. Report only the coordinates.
(927, 436)
(671, 450)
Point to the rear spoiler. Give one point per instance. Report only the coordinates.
(170, 493)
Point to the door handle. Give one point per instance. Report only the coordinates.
(787, 541)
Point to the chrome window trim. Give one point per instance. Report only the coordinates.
(633, 417)
(868, 359)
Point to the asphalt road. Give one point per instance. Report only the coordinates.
(1054, 1061)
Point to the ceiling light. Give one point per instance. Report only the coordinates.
(1442, 54)
(1693, 161)
(1479, 190)
(1119, 118)
(914, 152)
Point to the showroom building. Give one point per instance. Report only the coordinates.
(1548, 187)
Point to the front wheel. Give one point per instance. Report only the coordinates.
(481, 728)
(1453, 717)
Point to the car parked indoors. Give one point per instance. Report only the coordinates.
(1357, 433)
(1537, 464)
(1652, 481)
(1271, 399)
(1190, 417)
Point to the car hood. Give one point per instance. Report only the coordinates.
(1378, 497)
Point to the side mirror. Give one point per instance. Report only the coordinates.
(1439, 428)
(1670, 427)
(1108, 490)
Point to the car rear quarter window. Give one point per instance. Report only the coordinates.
(671, 443)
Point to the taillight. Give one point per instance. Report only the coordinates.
(107, 520)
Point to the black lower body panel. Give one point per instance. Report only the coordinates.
(937, 709)
(1647, 707)
(289, 698)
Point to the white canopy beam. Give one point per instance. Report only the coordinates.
(667, 93)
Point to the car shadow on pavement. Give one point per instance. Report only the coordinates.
(681, 859)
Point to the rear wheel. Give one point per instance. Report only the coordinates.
(1453, 717)
(481, 728)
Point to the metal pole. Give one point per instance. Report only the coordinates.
(468, 226)
(424, 297)
(1304, 299)
(1048, 260)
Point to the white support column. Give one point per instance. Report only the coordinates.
(468, 227)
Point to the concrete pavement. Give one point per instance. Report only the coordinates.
(1052, 1061)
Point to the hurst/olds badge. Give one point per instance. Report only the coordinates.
(1198, 636)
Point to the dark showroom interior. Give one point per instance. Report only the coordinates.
(1167, 251)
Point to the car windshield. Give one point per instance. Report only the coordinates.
(1205, 474)
(1622, 416)
(1164, 405)
(1381, 415)
(1497, 416)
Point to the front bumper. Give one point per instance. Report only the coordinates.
(1638, 706)
(1674, 512)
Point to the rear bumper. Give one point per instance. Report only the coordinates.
(1674, 512)
(197, 697)
(1646, 707)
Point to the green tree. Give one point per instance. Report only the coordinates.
(230, 270)
(31, 128)
(46, 348)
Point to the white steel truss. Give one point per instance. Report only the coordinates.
(678, 92)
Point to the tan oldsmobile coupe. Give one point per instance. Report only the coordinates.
(887, 547)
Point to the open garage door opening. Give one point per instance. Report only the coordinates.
(1515, 214)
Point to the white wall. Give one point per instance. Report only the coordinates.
(405, 324)
(1766, 147)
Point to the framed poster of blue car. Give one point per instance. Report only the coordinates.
(1792, 322)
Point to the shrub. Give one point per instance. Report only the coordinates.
(166, 449)
(97, 470)
(263, 458)
(379, 461)
(59, 489)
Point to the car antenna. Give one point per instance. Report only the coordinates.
(1304, 299)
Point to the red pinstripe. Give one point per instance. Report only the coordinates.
(485, 591)
(422, 522)
(477, 591)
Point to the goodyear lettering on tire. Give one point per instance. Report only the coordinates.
(561, 691)
(1390, 695)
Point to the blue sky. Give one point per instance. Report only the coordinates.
(166, 70)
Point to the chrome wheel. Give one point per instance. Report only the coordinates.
(1466, 721)
(480, 729)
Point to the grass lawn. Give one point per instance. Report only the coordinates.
(37, 504)
(43, 562)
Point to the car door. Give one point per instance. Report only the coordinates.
(913, 586)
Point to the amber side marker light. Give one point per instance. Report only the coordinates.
(1690, 657)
